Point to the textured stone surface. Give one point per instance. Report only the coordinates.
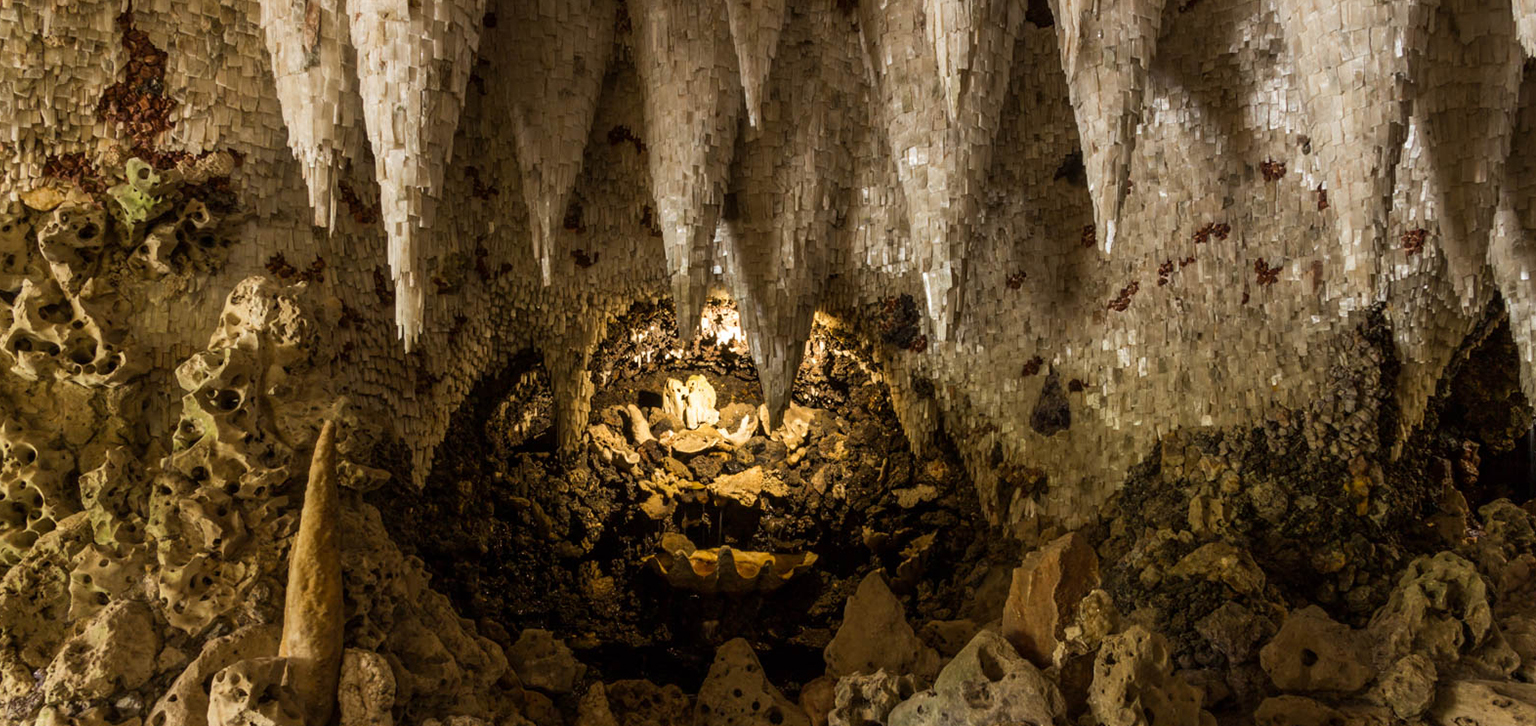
(737, 692)
(1045, 593)
(875, 636)
(1134, 684)
(987, 682)
(1313, 653)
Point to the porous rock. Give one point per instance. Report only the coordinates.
(544, 662)
(256, 692)
(869, 699)
(988, 682)
(1484, 703)
(1134, 684)
(737, 692)
(1313, 653)
(116, 652)
(1408, 687)
(366, 692)
(875, 636)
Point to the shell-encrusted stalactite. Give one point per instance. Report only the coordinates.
(1525, 24)
(312, 614)
(687, 64)
(559, 53)
(941, 157)
(1107, 47)
(413, 62)
(755, 28)
(1468, 82)
(1352, 67)
(309, 44)
(788, 176)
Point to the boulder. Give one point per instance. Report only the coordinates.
(1408, 687)
(1484, 703)
(1044, 595)
(367, 690)
(544, 663)
(875, 636)
(737, 692)
(1313, 653)
(1134, 684)
(988, 682)
(862, 700)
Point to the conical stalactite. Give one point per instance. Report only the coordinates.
(567, 352)
(1107, 48)
(687, 64)
(788, 175)
(1512, 250)
(553, 80)
(755, 28)
(1525, 25)
(1468, 78)
(312, 64)
(1353, 81)
(413, 61)
(963, 32)
(941, 158)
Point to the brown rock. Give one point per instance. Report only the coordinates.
(1045, 592)
(817, 699)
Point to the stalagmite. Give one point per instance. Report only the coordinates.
(1353, 73)
(413, 62)
(941, 157)
(556, 75)
(317, 90)
(688, 67)
(755, 27)
(1469, 82)
(788, 174)
(312, 615)
(1107, 90)
(566, 356)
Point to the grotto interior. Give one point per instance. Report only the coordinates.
(739, 362)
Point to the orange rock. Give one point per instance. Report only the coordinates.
(1046, 589)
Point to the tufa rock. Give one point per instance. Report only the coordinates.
(1295, 711)
(737, 693)
(256, 692)
(367, 689)
(1484, 703)
(818, 698)
(1134, 684)
(544, 663)
(312, 615)
(1313, 653)
(593, 709)
(115, 653)
(987, 683)
(1409, 686)
(875, 636)
(869, 699)
(1045, 593)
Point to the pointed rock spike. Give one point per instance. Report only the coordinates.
(687, 65)
(755, 28)
(313, 616)
(413, 66)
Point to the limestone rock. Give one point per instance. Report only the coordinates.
(1409, 686)
(869, 699)
(115, 653)
(1484, 703)
(186, 703)
(1234, 631)
(818, 698)
(1295, 711)
(737, 693)
(1440, 608)
(366, 692)
(593, 709)
(643, 703)
(544, 663)
(987, 683)
(875, 636)
(1313, 653)
(1045, 593)
(256, 692)
(1222, 562)
(1134, 684)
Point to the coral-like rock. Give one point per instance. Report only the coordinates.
(1134, 684)
(256, 692)
(1046, 590)
(646, 704)
(1484, 703)
(869, 699)
(33, 475)
(545, 663)
(366, 691)
(1440, 609)
(186, 703)
(115, 653)
(875, 636)
(1313, 653)
(737, 692)
(987, 682)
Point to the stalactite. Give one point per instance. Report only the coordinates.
(1468, 78)
(413, 63)
(313, 616)
(1353, 80)
(309, 46)
(688, 67)
(789, 174)
(554, 80)
(941, 157)
(1511, 253)
(1107, 92)
(755, 28)
(566, 355)
(1525, 24)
